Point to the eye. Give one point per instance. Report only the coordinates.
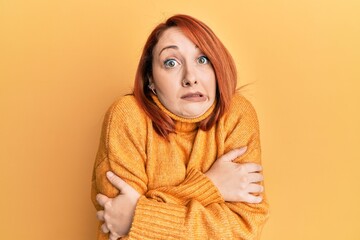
(203, 60)
(170, 63)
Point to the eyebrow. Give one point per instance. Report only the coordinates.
(167, 47)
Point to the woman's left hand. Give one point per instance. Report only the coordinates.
(118, 212)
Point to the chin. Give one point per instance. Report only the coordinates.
(193, 114)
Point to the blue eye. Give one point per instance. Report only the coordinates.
(170, 63)
(203, 60)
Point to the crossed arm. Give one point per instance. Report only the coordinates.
(236, 183)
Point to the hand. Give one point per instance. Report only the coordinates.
(118, 212)
(236, 181)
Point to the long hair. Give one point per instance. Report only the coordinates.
(221, 60)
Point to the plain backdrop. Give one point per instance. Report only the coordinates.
(62, 63)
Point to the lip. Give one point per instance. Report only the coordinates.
(194, 97)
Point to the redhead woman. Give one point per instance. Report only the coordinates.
(180, 157)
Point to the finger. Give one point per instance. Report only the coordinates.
(233, 154)
(255, 188)
(255, 177)
(117, 181)
(100, 215)
(102, 199)
(104, 228)
(252, 167)
(253, 199)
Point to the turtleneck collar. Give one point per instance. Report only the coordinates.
(183, 124)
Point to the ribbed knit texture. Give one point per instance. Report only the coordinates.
(178, 201)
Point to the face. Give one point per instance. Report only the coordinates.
(183, 77)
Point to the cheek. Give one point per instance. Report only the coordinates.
(211, 86)
(166, 84)
(165, 88)
(209, 78)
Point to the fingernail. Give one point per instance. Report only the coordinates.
(109, 174)
(243, 149)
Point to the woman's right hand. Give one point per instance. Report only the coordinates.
(237, 182)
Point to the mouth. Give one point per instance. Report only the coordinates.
(194, 97)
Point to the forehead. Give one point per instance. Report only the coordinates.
(173, 37)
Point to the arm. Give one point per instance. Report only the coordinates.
(133, 172)
(235, 182)
(250, 218)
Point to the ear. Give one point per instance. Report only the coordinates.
(151, 86)
(151, 83)
(150, 80)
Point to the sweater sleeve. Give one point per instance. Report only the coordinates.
(167, 219)
(249, 218)
(119, 151)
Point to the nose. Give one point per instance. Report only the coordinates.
(189, 78)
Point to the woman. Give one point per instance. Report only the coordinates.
(180, 158)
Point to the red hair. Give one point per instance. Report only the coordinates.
(221, 60)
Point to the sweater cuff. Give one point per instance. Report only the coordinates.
(199, 184)
(156, 220)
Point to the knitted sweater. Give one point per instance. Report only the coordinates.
(177, 200)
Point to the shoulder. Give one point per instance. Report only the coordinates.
(124, 116)
(125, 109)
(240, 110)
(126, 105)
(240, 104)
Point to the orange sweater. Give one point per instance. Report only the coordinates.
(178, 201)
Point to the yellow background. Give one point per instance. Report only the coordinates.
(62, 63)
